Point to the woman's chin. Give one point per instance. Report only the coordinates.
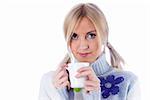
(85, 60)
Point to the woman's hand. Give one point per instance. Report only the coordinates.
(92, 83)
(61, 77)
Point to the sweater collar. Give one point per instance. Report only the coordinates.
(100, 66)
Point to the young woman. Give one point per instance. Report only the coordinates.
(86, 34)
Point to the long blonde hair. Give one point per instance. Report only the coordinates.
(92, 12)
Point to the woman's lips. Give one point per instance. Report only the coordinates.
(84, 54)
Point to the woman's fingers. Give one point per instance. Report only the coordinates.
(60, 68)
(92, 85)
(86, 71)
(64, 84)
(61, 77)
(60, 72)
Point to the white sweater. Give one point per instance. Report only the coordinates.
(124, 85)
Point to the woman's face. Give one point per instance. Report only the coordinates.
(84, 43)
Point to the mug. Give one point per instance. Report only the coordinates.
(72, 68)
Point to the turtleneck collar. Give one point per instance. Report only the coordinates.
(100, 66)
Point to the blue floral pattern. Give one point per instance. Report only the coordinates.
(109, 85)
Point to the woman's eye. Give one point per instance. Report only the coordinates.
(91, 35)
(74, 36)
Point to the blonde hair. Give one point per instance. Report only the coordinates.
(97, 17)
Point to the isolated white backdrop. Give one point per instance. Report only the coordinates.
(32, 41)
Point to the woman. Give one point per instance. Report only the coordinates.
(86, 34)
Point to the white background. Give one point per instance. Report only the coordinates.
(32, 41)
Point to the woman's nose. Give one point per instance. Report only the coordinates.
(83, 45)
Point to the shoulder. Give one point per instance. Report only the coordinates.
(48, 74)
(47, 77)
(128, 75)
(130, 79)
(131, 84)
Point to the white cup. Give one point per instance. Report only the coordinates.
(72, 68)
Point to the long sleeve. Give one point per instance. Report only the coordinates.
(47, 90)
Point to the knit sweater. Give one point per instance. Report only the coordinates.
(115, 84)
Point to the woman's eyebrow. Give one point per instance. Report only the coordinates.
(92, 31)
(87, 32)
